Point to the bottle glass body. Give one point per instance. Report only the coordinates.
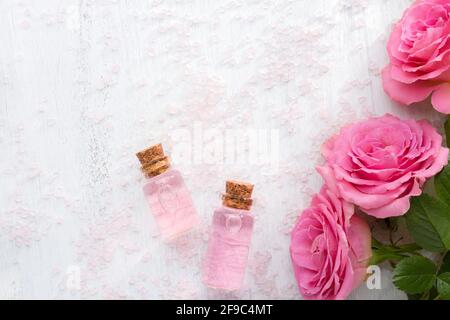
(228, 247)
(171, 204)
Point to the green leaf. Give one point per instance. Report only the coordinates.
(429, 295)
(443, 285)
(382, 252)
(428, 221)
(414, 274)
(380, 255)
(432, 294)
(410, 247)
(442, 184)
(445, 267)
(447, 130)
(415, 296)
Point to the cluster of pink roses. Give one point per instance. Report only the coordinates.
(378, 164)
(419, 50)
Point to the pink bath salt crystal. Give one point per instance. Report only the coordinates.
(229, 243)
(167, 195)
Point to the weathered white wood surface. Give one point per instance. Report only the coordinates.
(85, 84)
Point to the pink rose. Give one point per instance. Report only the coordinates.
(378, 164)
(419, 50)
(330, 248)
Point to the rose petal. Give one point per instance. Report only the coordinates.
(320, 248)
(395, 208)
(406, 93)
(439, 163)
(361, 243)
(441, 99)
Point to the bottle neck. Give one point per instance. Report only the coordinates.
(234, 202)
(156, 167)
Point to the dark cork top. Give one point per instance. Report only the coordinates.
(238, 195)
(153, 160)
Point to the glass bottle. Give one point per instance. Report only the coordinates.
(167, 195)
(229, 242)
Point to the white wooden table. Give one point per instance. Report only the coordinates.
(85, 84)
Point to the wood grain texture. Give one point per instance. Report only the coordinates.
(85, 84)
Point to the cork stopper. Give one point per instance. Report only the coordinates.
(153, 160)
(238, 195)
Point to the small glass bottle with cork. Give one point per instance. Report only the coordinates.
(167, 194)
(229, 242)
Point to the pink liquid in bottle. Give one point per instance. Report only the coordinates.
(167, 195)
(229, 243)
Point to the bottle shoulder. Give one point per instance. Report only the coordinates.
(222, 210)
(171, 173)
(234, 220)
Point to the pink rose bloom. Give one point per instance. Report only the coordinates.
(380, 163)
(419, 50)
(330, 248)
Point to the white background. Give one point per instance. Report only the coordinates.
(86, 84)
